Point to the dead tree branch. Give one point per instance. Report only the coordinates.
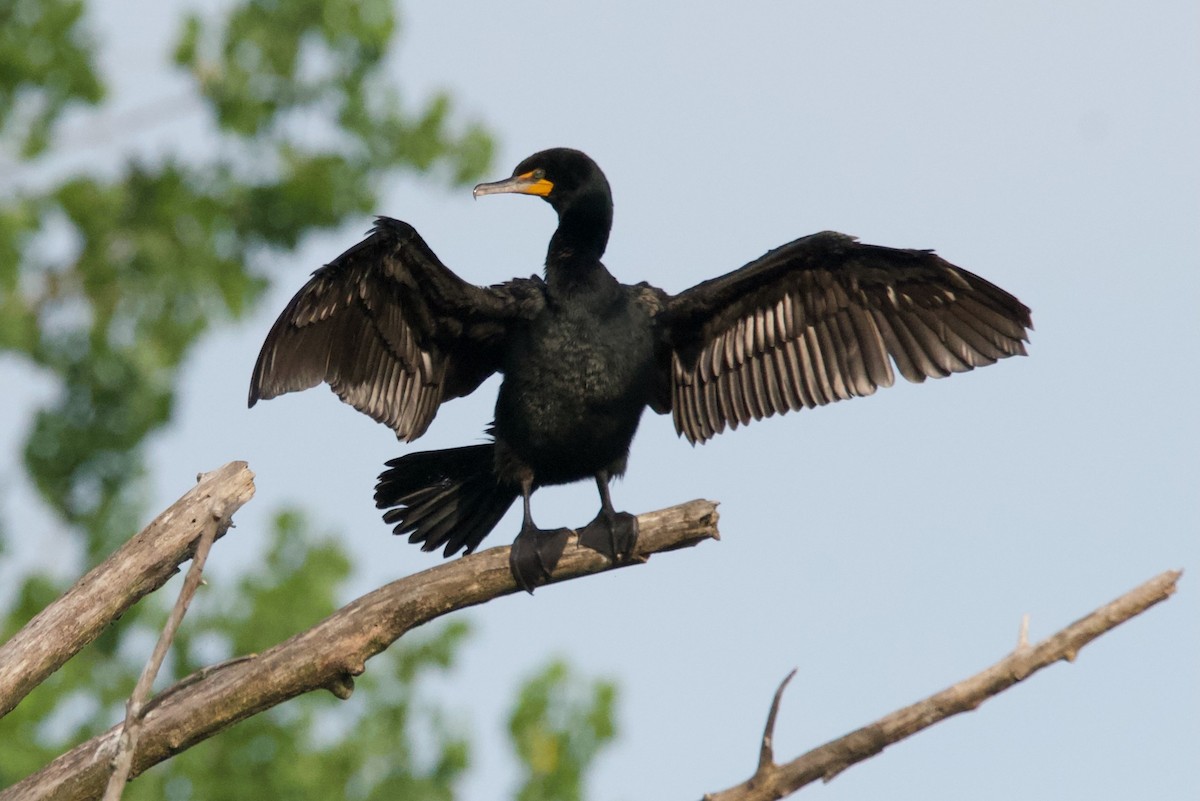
(329, 655)
(138, 568)
(772, 781)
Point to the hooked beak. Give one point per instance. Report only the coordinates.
(524, 184)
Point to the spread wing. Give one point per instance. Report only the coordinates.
(392, 331)
(822, 319)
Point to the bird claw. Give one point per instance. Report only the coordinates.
(534, 555)
(613, 535)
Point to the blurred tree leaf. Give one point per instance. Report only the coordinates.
(311, 124)
(558, 727)
(46, 59)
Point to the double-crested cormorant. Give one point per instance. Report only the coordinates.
(395, 333)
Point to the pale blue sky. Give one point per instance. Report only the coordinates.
(886, 546)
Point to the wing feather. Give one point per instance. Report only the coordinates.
(824, 319)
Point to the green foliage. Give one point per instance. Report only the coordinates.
(275, 60)
(161, 251)
(45, 65)
(559, 726)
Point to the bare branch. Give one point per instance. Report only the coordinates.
(766, 755)
(330, 654)
(138, 568)
(830, 759)
(122, 762)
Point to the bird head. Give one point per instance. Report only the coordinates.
(559, 176)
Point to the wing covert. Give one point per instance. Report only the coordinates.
(823, 319)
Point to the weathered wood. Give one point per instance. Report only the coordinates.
(331, 653)
(136, 569)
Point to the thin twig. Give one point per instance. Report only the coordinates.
(766, 754)
(830, 759)
(131, 729)
(1023, 634)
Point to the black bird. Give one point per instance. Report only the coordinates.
(395, 333)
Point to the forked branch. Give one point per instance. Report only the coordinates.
(136, 569)
(772, 781)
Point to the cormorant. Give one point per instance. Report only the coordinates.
(395, 334)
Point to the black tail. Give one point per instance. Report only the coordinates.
(448, 497)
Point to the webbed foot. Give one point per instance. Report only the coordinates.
(613, 534)
(534, 554)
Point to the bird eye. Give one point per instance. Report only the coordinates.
(539, 174)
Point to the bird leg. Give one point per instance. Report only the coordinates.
(535, 551)
(612, 533)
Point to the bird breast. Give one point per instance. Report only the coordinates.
(576, 380)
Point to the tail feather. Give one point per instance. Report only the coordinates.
(445, 498)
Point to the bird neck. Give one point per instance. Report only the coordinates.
(579, 242)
